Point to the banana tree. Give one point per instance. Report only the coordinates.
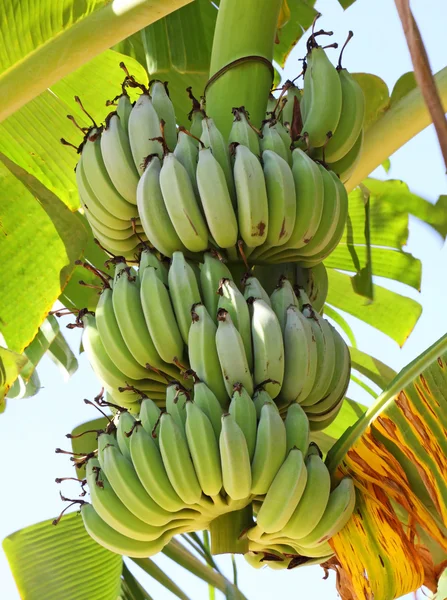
(394, 451)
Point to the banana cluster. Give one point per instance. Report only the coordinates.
(153, 324)
(258, 195)
(176, 471)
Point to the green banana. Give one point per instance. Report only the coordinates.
(243, 133)
(107, 232)
(176, 398)
(181, 204)
(130, 316)
(346, 165)
(233, 301)
(150, 418)
(260, 398)
(117, 156)
(165, 111)
(270, 450)
(272, 141)
(243, 410)
(112, 339)
(216, 200)
(351, 118)
(282, 297)
(212, 271)
(235, 460)
(253, 289)
(143, 128)
(149, 258)
(186, 152)
(231, 352)
(251, 195)
(113, 512)
(124, 428)
(123, 110)
(326, 356)
(150, 469)
(177, 461)
(268, 347)
(297, 429)
(204, 449)
(338, 512)
(313, 502)
(204, 356)
(289, 108)
(184, 292)
(154, 216)
(160, 318)
(283, 494)
(127, 246)
(212, 138)
(322, 98)
(301, 356)
(281, 197)
(210, 405)
(99, 180)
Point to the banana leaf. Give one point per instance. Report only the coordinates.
(396, 453)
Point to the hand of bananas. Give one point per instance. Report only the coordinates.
(162, 323)
(176, 471)
(265, 196)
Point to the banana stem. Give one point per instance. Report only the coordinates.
(226, 531)
(243, 32)
(399, 124)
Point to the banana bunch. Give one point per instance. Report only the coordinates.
(159, 323)
(163, 473)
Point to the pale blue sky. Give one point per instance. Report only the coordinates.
(31, 429)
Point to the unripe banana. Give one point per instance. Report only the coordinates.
(351, 118)
(297, 429)
(208, 402)
(329, 218)
(231, 352)
(123, 110)
(283, 494)
(153, 213)
(165, 111)
(127, 246)
(281, 197)
(143, 127)
(323, 112)
(176, 398)
(186, 152)
(204, 449)
(243, 411)
(235, 460)
(104, 230)
(149, 258)
(184, 292)
(271, 140)
(150, 418)
(124, 428)
(282, 297)
(117, 156)
(301, 358)
(254, 289)
(346, 165)
(160, 318)
(99, 180)
(204, 353)
(212, 138)
(251, 195)
(177, 461)
(243, 133)
(216, 200)
(288, 111)
(150, 469)
(326, 356)
(268, 348)
(313, 502)
(285, 136)
(261, 397)
(181, 204)
(112, 339)
(233, 301)
(271, 105)
(270, 450)
(338, 512)
(212, 271)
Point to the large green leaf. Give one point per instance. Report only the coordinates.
(62, 562)
(40, 241)
(46, 40)
(302, 13)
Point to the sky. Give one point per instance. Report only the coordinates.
(31, 429)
